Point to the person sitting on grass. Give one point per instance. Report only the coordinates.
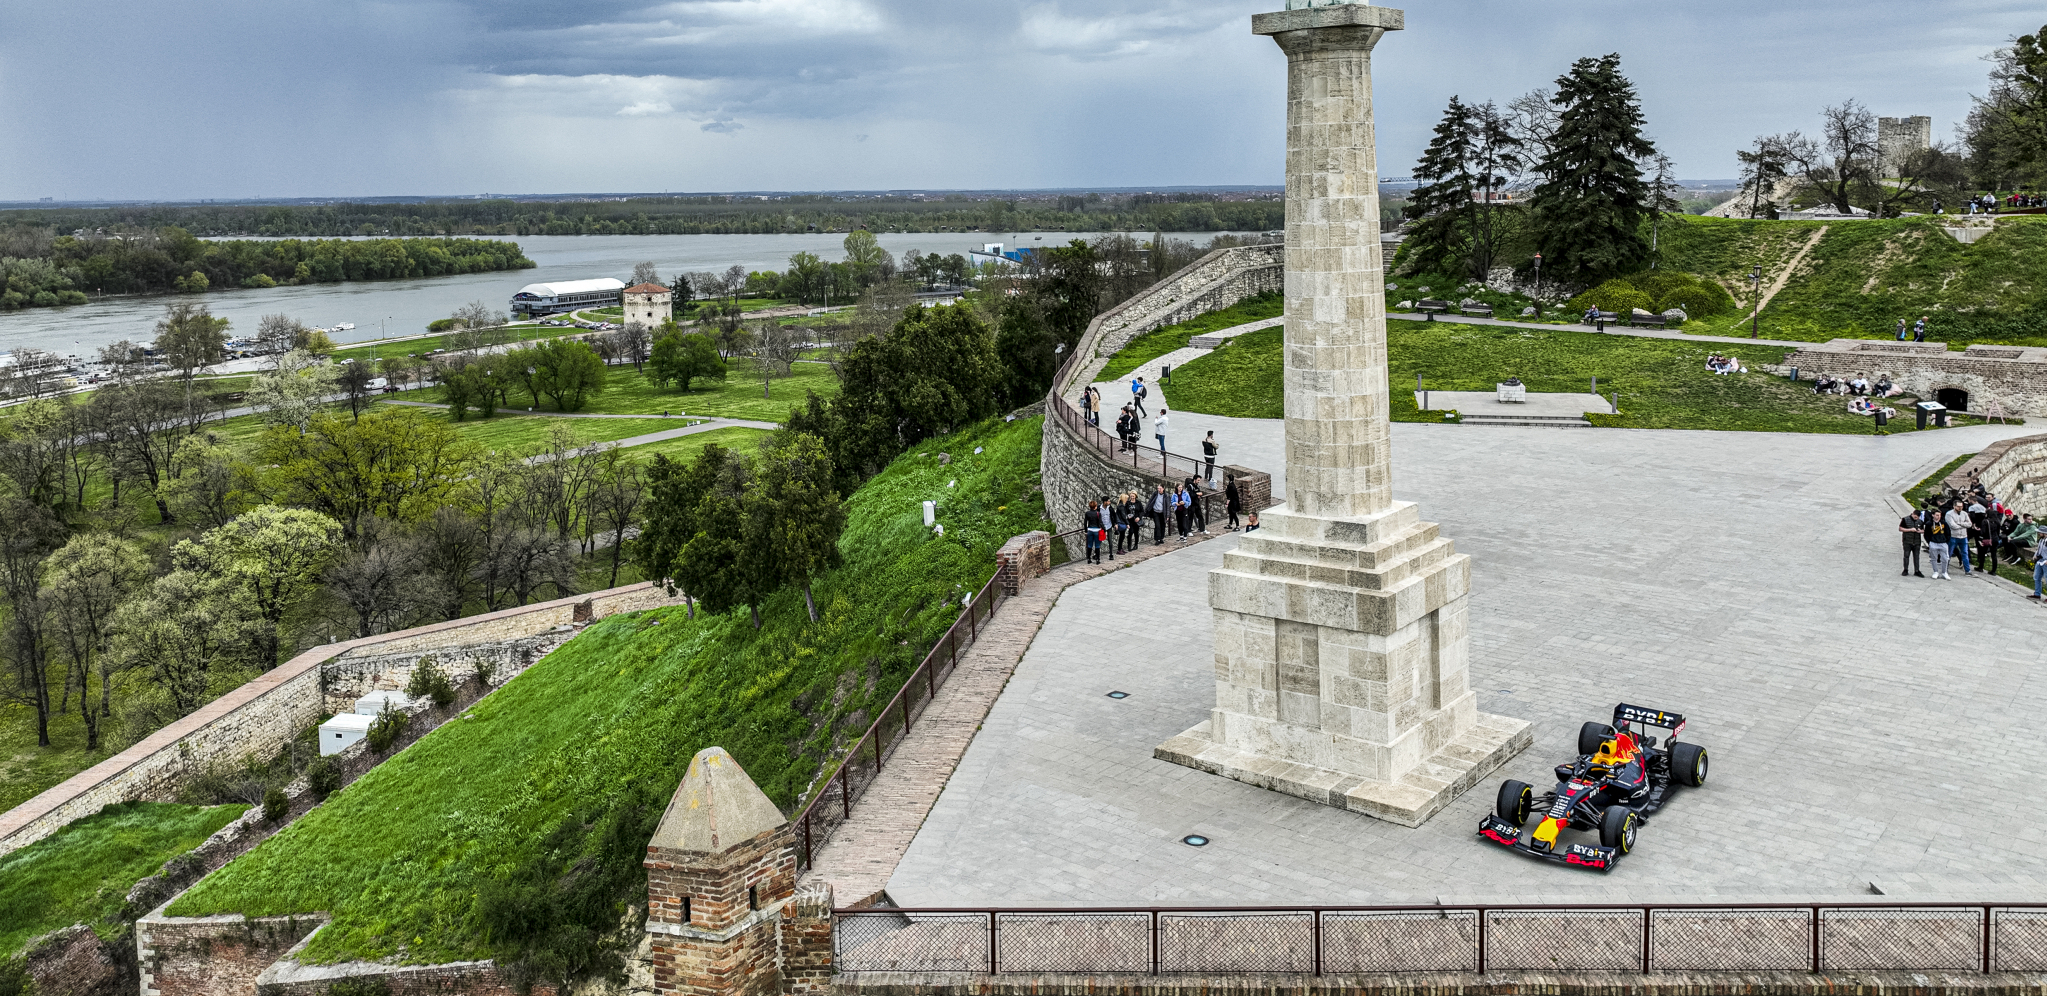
(1826, 384)
(1885, 389)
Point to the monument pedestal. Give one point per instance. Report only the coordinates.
(1341, 672)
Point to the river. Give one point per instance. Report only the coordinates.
(403, 307)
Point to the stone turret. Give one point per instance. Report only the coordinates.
(720, 869)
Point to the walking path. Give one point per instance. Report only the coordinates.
(526, 411)
(1609, 330)
(864, 851)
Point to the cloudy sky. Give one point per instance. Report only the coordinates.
(238, 98)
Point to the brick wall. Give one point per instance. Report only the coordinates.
(714, 917)
(807, 942)
(1023, 558)
(262, 715)
(73, 962)
(215, 955)
(469, 978)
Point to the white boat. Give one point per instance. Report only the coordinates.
(345, 327)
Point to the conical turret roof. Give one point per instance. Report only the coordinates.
(716, 807)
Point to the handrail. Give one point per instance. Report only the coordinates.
(1951, 936)
(936, 667)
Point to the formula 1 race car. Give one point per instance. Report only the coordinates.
(1620, 779)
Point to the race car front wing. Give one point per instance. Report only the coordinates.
(1508, 835)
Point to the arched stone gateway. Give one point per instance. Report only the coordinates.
(1953, 398)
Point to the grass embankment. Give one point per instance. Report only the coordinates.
(739, 395)
(1159, 342)
(1663, 383)
(82, 873)
(1863, 276)
(415, 859)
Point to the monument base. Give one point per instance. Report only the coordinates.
(1409, 801)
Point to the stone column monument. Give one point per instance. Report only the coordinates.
(1340, 633)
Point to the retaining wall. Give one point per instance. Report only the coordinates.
(1072, 471)
(261, 716)
(2015, 470)
(2014, 376)
(215, 955)
(1448, 984)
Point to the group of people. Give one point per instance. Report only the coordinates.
(1114, 524)
(1918, 330)
(1976, 529)
(1864, 406)
(1857, 386)
(1724, 365)
(1989, 203)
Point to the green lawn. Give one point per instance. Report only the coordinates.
(1663, 383)
(629, 392)
(1159, 342)
(525, 432)
(685, 447)
(82, 873)
(25, 769)
(557, 780)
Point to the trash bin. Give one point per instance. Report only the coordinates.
(1794, 373)
(1882, 418)
(1931, 409)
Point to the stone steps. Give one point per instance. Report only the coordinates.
(1548, 421)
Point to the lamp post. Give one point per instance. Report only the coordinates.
(1538, 287)
(1756, 298)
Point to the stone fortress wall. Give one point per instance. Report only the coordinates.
(2014, 376)
(1074, 471)
(2014, 470)
(261, 716)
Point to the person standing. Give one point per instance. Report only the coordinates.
(2039, 566)
(1091, 526)
(1117, 524)
(1911, 531)
(1901, 330)
(1165, 374)
(1159, 501)
(1958, 526)
(1208, 449)
(1197, 508)
(1919, 329)
(1937, 537)
(1180, 512)
(1233, 499)
(1158, 429)
(1133, 514)
(1123, 420)
(1137, 393)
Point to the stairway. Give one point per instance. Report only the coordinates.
(1540, 421)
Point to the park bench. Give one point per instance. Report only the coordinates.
(1481, 310)
(1601, 318)
(1431, 307)
(1649, 321)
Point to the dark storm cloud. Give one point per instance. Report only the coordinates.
(229, 99)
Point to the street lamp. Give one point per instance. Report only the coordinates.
(1756, 298)
(1538, 287)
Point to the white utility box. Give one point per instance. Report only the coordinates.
(377, 702)
(337, 733)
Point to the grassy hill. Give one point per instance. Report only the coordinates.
(1862, 276)
(517, 832)
(82, 873)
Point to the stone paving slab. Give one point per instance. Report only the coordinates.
(1864, 727)
(862, 852)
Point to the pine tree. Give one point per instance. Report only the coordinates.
(795, 503)
(1589, 210)
(1439, 236)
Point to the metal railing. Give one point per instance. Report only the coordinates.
(832, 804)
(1358, 940)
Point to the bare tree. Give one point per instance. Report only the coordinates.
(616, 494)
(774, 347)
(353, 378)
(377, 582)
(644, 273)
(35, 373)
(1533, 119)
(276, 333)
(735, 280)
(633, 341)
(1841, 162)
(1924, 177)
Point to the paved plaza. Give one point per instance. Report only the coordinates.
(1868, 731)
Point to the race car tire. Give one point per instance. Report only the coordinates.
(1617, 829)
(1688, 764)
(1591, 735)
(1515, 800)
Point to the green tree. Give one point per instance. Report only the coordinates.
(188, 337)
(798, 509)
(681, 357)
(85, 582)
(728, 563)
(1068, 285)
(182, 629)
(865, 256)
(271, 558)
(933, 373)
(1455, 213)
(563, 371)
(28, 532)
(805, 278)
(2006, 131)
(1026, 351)
(397, 465)
(1589, 209)
(675, 491)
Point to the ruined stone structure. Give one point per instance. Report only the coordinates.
(2015, 470)
(1898, 138)
(2014, 376)
(648, 304)
(1340, 635)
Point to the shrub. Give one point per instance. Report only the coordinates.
(430, 682)
(1617, 296)
(485, 669)
(274, 804)
(259, 280)
(323, 777)
(14, 978)
(384, 732)
(71, 297)
(441, 325)
(1698, 297)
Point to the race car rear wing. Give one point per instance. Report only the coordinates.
(1639, 716)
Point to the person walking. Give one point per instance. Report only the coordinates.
(1958, 525)
(1159, 501)
(1158, 429)
(1233, 499)
(1180, 512)
(1901, 330)
(1091, 526)
(1117, 524)
(1937, 537)
(1911, 531)
(1137, 393)
(2039, 566)
(1208, 448)
(1197, 509)
(1919, 329)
